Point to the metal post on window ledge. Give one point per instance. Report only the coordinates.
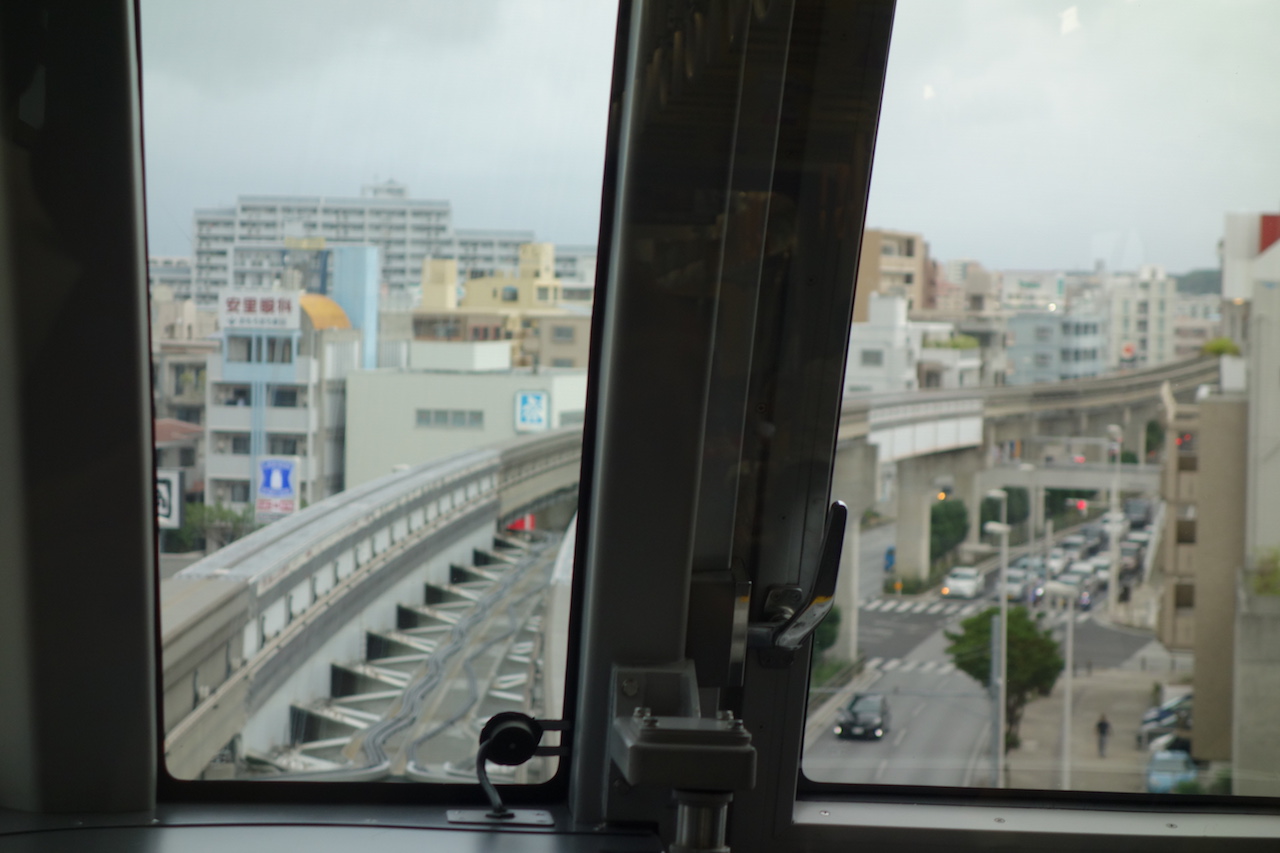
(1001, 673)
(1066, 698)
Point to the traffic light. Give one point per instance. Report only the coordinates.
(1082, 505)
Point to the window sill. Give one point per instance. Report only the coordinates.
(1015, 826)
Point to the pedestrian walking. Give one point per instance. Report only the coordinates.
(1104, 730)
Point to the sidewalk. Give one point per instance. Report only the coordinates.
(1123, 694)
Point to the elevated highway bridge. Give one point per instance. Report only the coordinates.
(298, 648)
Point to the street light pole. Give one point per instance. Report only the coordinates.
(1113, 575)
(1002, 679)
(1066, 698)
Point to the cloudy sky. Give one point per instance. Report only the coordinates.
(1024, 134)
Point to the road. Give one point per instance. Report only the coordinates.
(940, 722)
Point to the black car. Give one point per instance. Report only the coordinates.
(867, 716)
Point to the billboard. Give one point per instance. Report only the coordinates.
(168, 498)
(276, 487)
(533, 411)
(241, 308)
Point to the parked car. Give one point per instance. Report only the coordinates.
(1016, 582)
(1139, 512)
(1074, 546)
(962, 582)
(1169, 769)
(867, 716)
(1056, 562)
(1168, 708)
(1101, 569)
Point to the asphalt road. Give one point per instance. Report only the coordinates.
(940, 721)
(940, 718)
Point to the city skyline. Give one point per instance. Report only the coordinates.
(1016, 134)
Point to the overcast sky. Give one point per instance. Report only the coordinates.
(1023, 134)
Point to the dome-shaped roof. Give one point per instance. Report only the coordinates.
(323, 312)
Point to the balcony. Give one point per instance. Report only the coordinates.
(296, 419)
(228, 466)
(229, 418)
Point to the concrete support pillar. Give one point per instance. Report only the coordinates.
(916, 496)
(854, 481)
(969, 488)
(1036, 496)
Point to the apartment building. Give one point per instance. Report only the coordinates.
(1197, 319)
(1055, 346)
(527, 308)
(892, 262)
(277, 387)
(1140, 310)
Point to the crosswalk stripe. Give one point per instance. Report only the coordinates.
(874, 662)
(891, 665)
(952, 608)
(935, 607)
(921, 607)
(968, 610)
(909, 665)
(928, 665)
(894, 606)
(874, 605)
(946, 668)
(1082, 617)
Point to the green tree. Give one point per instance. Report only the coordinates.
(828, 630)
(1019, 507)
(1034, 661)
(1220, 346)
(1155, 436)
(948, 524)
(209, 528)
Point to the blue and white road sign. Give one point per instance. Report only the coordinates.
(277, 487)
(533, 411)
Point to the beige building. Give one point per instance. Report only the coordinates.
(529, 309)
(399, 417)
(182, 339)
(892, 262)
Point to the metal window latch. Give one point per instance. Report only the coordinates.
(510, 739)
(790, 612)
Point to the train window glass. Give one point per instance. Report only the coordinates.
(1028, 150)
(378, 498)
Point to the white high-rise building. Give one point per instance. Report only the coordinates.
(1141, 311)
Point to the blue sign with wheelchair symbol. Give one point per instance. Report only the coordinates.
(276, 478)
(533, 411)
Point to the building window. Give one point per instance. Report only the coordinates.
(562, 362)
(286, 445)
(1184, 595)
(544, 294)
(1043, 359)
(239, 348)
(240, 444)
(562, 334)
(1186, 531)
(279, 350)
(449, 418)
(239, 491)
(284, 398)
(1044, 333)
(510, 293)
(186, 456)
(872, 358)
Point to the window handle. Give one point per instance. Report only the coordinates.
(792, 614)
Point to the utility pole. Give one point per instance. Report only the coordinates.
(1063, 593)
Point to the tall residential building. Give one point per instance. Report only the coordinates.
(1141, 310)
(173, 273)
(892, 262)
(1055, 346)
(277, 388)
